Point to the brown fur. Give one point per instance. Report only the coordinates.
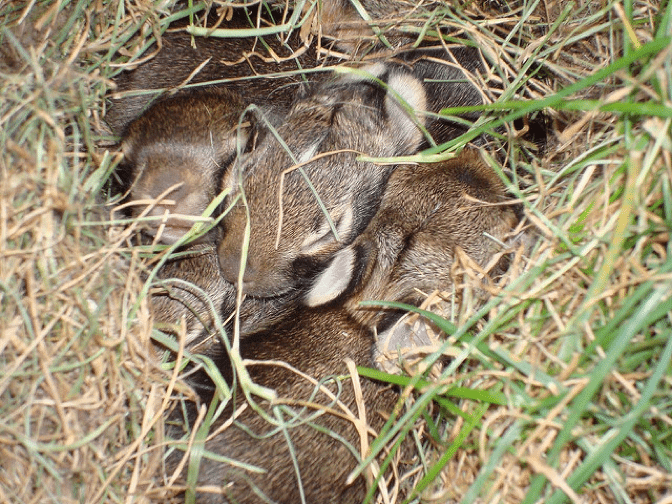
(409, 246)
(191, 287)
(406, 245)
(340, 121)
(316, 343)
(426, 212)
(186, 140)
(343, 119)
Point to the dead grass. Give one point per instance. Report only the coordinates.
(576, 337)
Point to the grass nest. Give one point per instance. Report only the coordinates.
(559, 384)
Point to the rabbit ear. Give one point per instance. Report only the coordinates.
(406, 96)
(344, 273)
(402, 94)
(322, 238)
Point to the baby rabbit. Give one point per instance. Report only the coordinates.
(370, 112)
(426, 212)
(409, 247)
(315, 342)
(174, 155)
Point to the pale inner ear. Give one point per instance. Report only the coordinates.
(333, 281)
(410, 89)
(315, 242)
(412, 92)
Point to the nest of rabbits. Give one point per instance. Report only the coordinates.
(549, 382)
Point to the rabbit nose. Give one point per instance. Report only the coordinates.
(230, 267)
